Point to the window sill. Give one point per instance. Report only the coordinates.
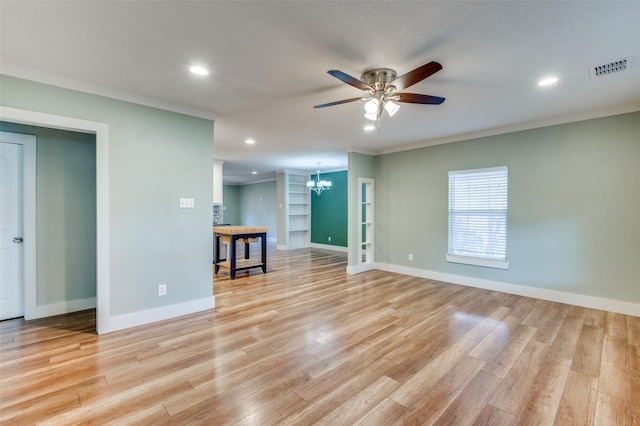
(476, 261)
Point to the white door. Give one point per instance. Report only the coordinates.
(11, 231)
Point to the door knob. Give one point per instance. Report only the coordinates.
(18, 240)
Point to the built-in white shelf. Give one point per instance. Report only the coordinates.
(298, 214)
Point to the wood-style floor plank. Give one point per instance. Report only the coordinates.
(308, 344)
(514, 389)
(585, 359)
(614, 371)
(578, 403)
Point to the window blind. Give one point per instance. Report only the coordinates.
(478, 213)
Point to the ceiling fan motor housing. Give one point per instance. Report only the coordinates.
(379, 78)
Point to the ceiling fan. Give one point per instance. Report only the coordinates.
(381, 89)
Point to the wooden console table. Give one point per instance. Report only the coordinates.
(245, 233)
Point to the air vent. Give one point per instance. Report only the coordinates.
(610, 68)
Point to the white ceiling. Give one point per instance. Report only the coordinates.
(269, 63)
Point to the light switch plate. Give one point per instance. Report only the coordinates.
(187, 203)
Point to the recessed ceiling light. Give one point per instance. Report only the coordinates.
(198, 70)
(254, 173)
(369, 127)
(249, 141)
(548, 81)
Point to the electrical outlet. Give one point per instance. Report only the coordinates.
(329, 238)
(411, 257)
(162, 290)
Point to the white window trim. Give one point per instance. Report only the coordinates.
(478, 261)
(472, 260)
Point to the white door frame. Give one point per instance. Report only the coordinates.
(355, 218)
(369, 191)
(101, 130)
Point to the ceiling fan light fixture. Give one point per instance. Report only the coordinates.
(371, 106)
(391, 108)
(371, 116)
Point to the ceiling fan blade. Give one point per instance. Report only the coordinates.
(414, 98)
(346, 78)
(338, 102)
(419, 74)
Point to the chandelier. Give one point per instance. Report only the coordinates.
(318, 185)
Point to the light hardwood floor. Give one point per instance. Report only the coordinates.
(308, 344)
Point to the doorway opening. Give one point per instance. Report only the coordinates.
(100, 132)
(65, 210)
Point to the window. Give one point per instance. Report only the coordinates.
(478, 217)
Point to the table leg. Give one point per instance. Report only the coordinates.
(263, 240)
(246, 248)
(217, 256)
(233, 257)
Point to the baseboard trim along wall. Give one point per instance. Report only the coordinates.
(329, 247)
(363, 267)
(592, 302)
(59, 308)
(162, 313)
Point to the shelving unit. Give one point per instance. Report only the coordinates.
(298, 212)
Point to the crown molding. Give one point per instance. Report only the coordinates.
(552, 121)
(66, 83)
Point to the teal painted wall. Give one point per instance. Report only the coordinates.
(155, 158)
(574, 203)
(329, 211)
(65, 213)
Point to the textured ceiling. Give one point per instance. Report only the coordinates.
(268, 63)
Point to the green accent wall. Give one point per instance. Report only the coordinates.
(329, 211)
(65, 213)
(574, 203)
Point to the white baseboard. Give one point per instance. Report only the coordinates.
(60, 308)
(329, 247)
(363, 267)
(592, 302)
(135, 319)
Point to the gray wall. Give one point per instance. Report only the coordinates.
(231, 205)
(155, 158)
(252, 204)
(257, 206)
(574, 203)
(65, 213)
(360, 166)
(281, 236)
